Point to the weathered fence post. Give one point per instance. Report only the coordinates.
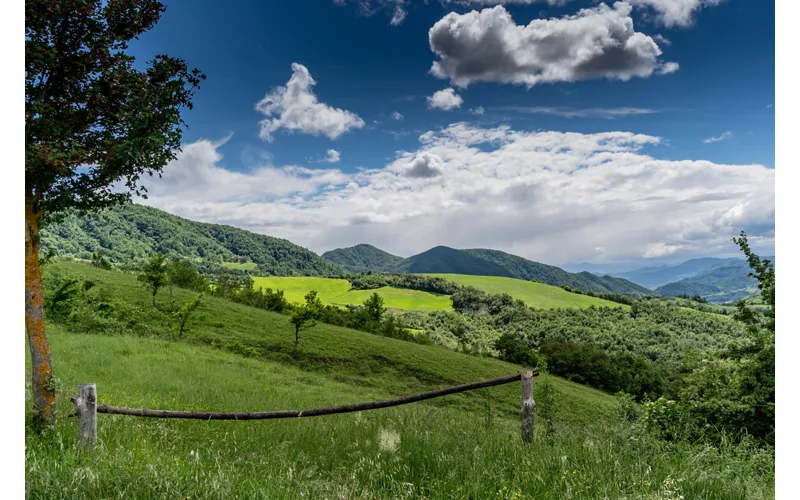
(526, 414)
(86, 410)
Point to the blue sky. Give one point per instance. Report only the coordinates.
(707, 97)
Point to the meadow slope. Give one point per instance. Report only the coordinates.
(239, 358)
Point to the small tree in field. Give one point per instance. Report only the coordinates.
(154, 274)
(184, 313)
(305, 316)
(93, 124)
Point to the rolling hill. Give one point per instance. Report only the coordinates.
(364, 257)
(654, 277)
(132, 233)
(478, 262)
(728, 281)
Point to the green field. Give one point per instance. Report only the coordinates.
(532, 293)
(241, 266)
(295, 289)
(399, 298)
(236, 357)
(337, 292)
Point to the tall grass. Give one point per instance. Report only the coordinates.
(415, 451)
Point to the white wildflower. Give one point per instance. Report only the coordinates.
(388, 440)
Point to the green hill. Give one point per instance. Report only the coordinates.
(478, 262)
(521, 268)
(654, 277)
(533, 294)
(726, 281)
(236, 357)
(360, 258)
(132, 233)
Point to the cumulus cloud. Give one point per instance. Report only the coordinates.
(608, 113)
(489, 46)
(397, 116)
(423, 166)
(725, 135)
(295, 107)
(332, 156)
(672, 13)
(445, 99)
(478, 111)
(548, 196)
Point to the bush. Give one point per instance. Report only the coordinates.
(515, 351)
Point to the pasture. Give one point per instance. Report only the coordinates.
(532, 293)
(239, 358)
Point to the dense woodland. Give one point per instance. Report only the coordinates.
(130, 234)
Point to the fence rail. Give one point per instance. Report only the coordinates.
(87, 407)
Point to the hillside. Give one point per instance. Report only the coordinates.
(364, 257)
(529, 270)
(132, 233)
(478, 262)
(654, 277)
(236, 357)
(726, 281)
(533, 294)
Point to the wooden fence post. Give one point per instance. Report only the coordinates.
(86, 409)
(528, 405)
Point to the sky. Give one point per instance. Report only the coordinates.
(564, 131)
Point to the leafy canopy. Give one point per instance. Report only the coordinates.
(93, 123)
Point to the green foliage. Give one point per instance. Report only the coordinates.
(87, 103)
(305, 316)
(99, 261)
(154, 274)
(373, 308)
(182, 274)
(185, 312)
(515, 351)
(361, 258)
(135, 233)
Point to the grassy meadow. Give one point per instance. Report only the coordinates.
(239, 358)
(240, 266)
(532, 293)
(337, 292)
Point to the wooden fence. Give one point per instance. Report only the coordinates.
(87, 408)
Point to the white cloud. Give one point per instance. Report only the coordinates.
(396, 115)
(332, 156)
(296, 108)
(445, 99)
(478, 111)
(608, 113)
(548, 196)
(672, 13)
(721, 137)
(489, 46)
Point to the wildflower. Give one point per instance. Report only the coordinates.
(388, 440)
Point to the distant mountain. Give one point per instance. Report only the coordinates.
(136, 232)
(726, 281)
(529, 270)
(478, 262)
(654, 277)
(364, 257)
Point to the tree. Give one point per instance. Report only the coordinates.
(93, 126)
(154, 274)
(373, 307)
(185, 312)
(99, 261)
(306, 315)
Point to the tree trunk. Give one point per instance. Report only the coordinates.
(44, 399)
